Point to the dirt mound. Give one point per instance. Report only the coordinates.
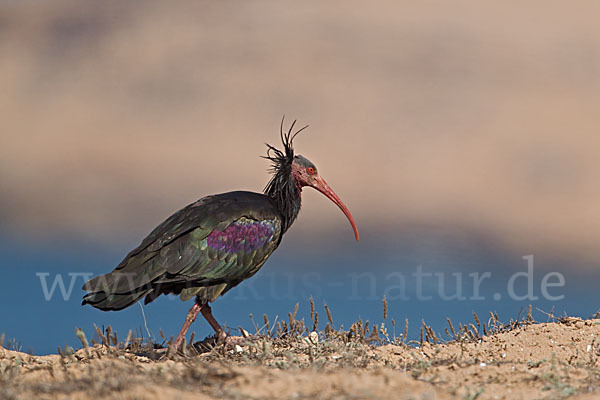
(531, 361)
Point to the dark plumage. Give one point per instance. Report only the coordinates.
(213, 244)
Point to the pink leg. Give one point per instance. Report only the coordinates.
(207, 313)
(191, 317)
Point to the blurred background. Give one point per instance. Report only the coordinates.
(463, 136)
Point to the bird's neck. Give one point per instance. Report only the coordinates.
(285, 193)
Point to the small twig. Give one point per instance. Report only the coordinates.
(145, 323)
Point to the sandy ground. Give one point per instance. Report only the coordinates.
(532, 361)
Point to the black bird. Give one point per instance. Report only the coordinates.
(210, 246)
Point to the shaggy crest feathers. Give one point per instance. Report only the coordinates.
(283, 159)
(282, 188)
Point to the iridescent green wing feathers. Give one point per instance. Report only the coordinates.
(204, 249)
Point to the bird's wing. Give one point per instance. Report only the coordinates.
(218, 239)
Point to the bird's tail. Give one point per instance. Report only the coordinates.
(113, 301)
(105, 294)
(129, 282)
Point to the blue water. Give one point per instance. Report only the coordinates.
(350, 278)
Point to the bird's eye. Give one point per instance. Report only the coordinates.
(311, 170)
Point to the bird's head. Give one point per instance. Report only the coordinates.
(292, 170)
(305, 173)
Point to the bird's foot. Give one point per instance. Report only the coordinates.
(234, 341)
(221, 338)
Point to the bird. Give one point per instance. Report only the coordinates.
(213, 244)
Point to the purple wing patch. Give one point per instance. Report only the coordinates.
(243, 235)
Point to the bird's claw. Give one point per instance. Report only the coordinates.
(233, 341)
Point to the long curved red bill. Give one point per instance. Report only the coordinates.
(324, 188)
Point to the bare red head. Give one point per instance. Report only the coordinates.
(305, 173)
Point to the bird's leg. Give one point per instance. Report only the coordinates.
(222, 337)
(207, 313)
(203, 307)
(191, 317)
